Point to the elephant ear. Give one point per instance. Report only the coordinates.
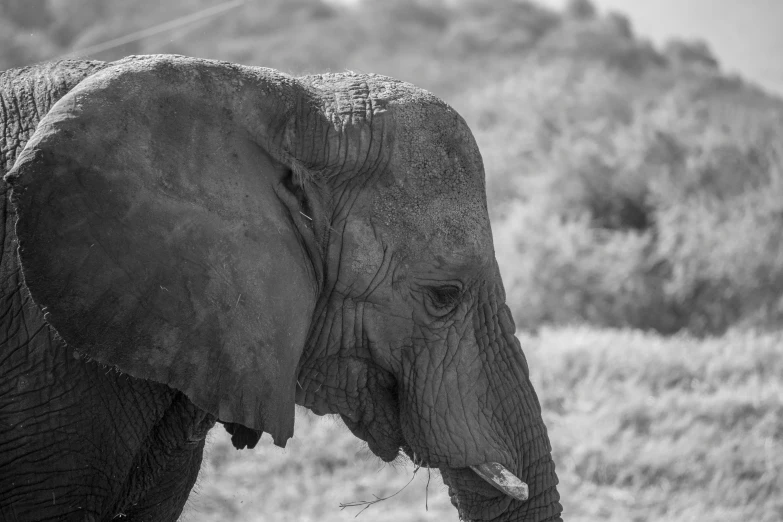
(159, 237)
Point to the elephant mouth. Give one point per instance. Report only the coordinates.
(372, 413)
(474, 497)
(370, 410)
(476, 492)
(385, 442)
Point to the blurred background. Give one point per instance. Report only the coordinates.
(634, 168)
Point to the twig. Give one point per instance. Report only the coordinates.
(427, 491)
(368, 503)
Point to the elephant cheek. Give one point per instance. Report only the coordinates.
(445, 411)
(360, 253)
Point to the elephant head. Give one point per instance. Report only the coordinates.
(255, 240)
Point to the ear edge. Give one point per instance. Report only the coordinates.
(309, 205)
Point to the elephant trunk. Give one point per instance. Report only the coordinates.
(482, 425)
(532, 449)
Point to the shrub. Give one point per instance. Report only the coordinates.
(581, 9)
(503, 27)
(620, 23)
(600, 41)
(725, 261)
(568, 272)
(654, 212)
(690, 53)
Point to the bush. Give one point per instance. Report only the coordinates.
(690, 53)
(581, 9)
(601, 41)
(653, 212)
(504, 27)
(725, 261)
(620, 23)
(568, 272)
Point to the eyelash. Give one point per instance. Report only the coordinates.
(445, 296)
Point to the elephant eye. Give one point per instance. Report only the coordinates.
(445, 296)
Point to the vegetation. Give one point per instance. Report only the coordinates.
(617, 207)
(630, 187)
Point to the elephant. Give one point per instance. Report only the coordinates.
(189, 242)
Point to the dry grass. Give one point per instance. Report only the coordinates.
(323, 466)
(647, 428)
(644, 429)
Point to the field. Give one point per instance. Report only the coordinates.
(643, 428)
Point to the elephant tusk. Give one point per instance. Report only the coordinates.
(497, 475)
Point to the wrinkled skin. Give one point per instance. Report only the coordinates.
(200, 242)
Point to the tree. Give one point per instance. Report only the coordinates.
(690, 53)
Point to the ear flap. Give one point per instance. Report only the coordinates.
(152, 235)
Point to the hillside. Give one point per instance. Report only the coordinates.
(430, 43)
(754, 54)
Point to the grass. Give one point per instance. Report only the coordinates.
(647, 428)
(644, 428)
(322, 467)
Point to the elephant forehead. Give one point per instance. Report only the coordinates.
(447, 223)
(431, 183)
(434, 186)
